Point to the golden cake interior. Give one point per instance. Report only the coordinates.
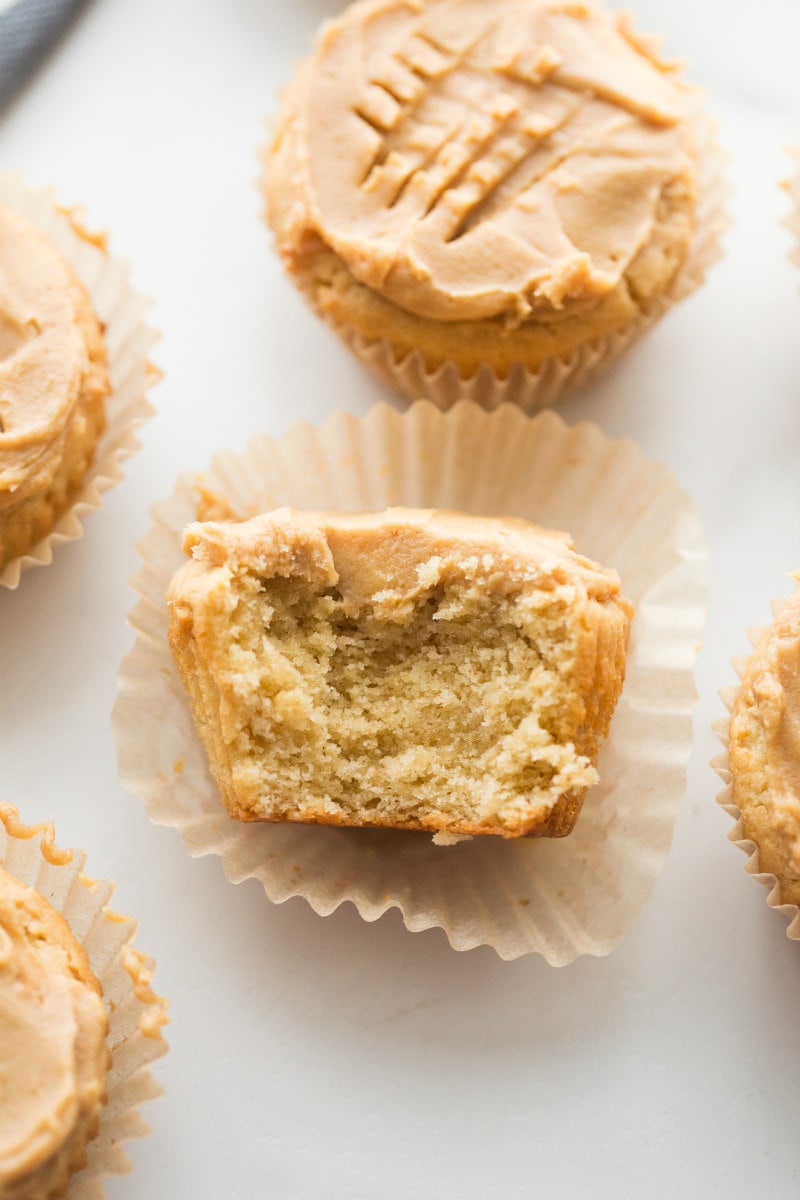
(461, 695)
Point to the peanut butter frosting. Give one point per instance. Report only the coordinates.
(53, 374)
(53, 1052)
(473, 161)
(389, 561)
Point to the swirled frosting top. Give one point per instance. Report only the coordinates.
(470, 160)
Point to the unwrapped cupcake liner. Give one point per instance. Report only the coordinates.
(135, 1013)
(561, 897)
(532, 390)
(721, 764)
(128, 339)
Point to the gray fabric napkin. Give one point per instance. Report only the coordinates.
(28, 31)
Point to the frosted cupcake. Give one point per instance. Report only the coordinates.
(762, 761)
(53, 385)
(79, 1023)
(557, 896)
(53, 1047)
(506, 191)
(74, 372)
(411, 669)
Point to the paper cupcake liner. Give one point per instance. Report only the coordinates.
(721, 764)
(792, 221)
(128, 340)
(532, 390)
(560, 898)
(135, 1013)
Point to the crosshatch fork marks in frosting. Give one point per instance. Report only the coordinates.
(458, 153)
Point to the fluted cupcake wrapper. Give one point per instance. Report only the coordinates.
(560, 898)
(129, 341)
(532, 390)
(135, 1012)
(721, 764)
(792, 219)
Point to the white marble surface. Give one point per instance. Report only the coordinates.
(327, 1059)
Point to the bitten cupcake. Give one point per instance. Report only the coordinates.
(74, 372)
(410, 669)
(79, 1023)
(459, 675)
(53, 385)
(764, 754)
(506, 191)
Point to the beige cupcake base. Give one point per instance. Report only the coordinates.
(559, 898)
(129, 341)
(135, 1013)
(721, 765)
(532, 390)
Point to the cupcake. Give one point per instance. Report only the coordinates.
(74, 370)
(53, 1051)
(53, 385)
(556, 896)
(505, 194)
(79, 1023)
(406, 670)
(763, 753)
